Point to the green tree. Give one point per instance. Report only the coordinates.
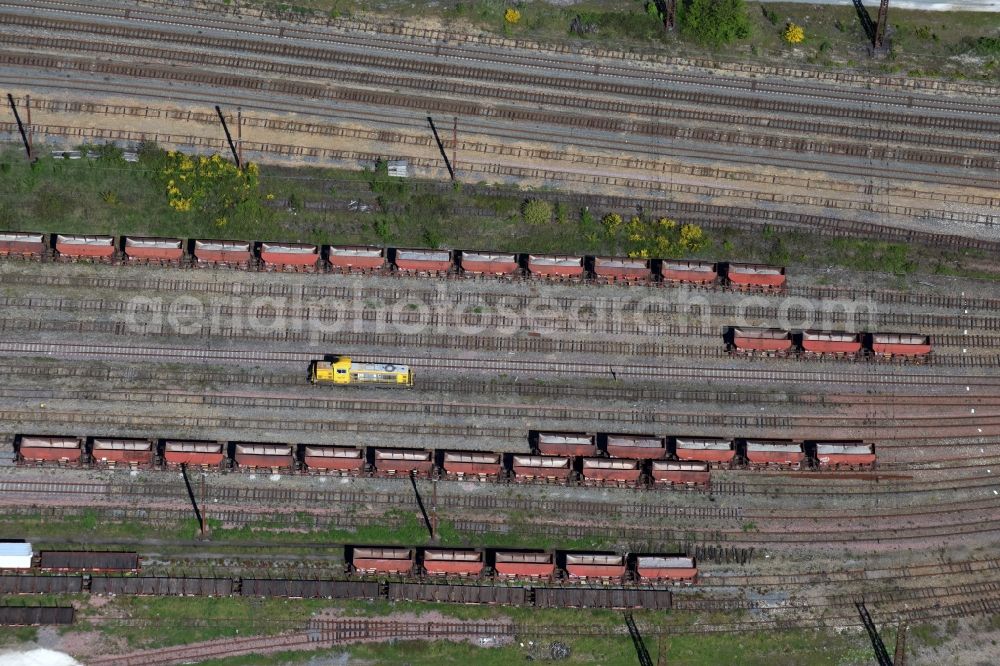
(537, 212)
(713, 22)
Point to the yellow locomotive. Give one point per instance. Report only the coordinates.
(343, 371)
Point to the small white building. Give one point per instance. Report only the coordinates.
(15, 555)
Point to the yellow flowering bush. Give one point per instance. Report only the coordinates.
(206, 184)
(512, 16)
(794, 34)
(642, 238)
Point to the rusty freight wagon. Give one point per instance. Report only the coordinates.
(223, 252)
(355, 258)
(705, 449)
(546, 468)
(620, 269)
(403, 462)
(376, 560)
(23, 244)
(755, 276)
(636, 447)
(524, 564)
(156, 250)
(832, 342)
(285, 256)
(566, 444)
(49, 449)
(680, 473)
(114, 452)
(666, 567)
(849, 454)
(452, 562)
(762, 340)
(488, 263)
(264, 456)
(555, 265)
(192, 453)
(423, 262)
(475, 464)
(611, 471)
(85, 247)
(88, 560)
(343, 460)
(694, 272)
(603, 566)
(774, 453)
(901, 344)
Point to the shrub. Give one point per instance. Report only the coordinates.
(511, 16)
(713, 22)
(536, 212)
(793, 34)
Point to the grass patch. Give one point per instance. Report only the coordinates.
(872, 256)
(17, 635)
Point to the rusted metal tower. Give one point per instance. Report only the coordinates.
(883, 18)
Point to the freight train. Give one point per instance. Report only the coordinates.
(274, 256)
(779, 342)
(566, 458)
(512, 565)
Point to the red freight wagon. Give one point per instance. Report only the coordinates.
(553, 468)
(637, 447)
(356, 257)
(423, 261)
(473, 463)
(761, 340)
(99, 247)
(520, 564)
(845, 454)
(698, 272)
(443, 562)
(781, 452)
(610, 470)
(555, 265)
(836, 342)
(621, 269)
(595, 565)
(488, 263)
(50, 449)
(904, 344)
(708, 450)
(264, 456)
(336, 458)
(658, 567)
(283, 255)
(153, 249)
(223, 252)
(12, 242)
(127, 451)
(393, 462)
(382, 560)
(756, 275)
(566, 444)
(196, 453)
(681, 473)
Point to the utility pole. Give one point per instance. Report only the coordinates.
(454, 147)
(880, 25)
(640, 645)
(899, 658)
(203, 504)
(239, 133)
(444, 153)
(881, 654)
(27, 108)
(229, 138)
(20, 125)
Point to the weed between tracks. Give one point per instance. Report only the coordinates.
(72, 197)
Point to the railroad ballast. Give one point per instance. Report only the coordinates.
(280, 256)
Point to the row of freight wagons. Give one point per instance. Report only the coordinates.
(19, 555)
(566, 565)
(557, 456)
(780, 341)
(302, 256)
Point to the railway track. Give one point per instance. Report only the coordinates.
(390, 287)
(437, 309)
(846, 373)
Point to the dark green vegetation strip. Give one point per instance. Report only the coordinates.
(110, 196)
